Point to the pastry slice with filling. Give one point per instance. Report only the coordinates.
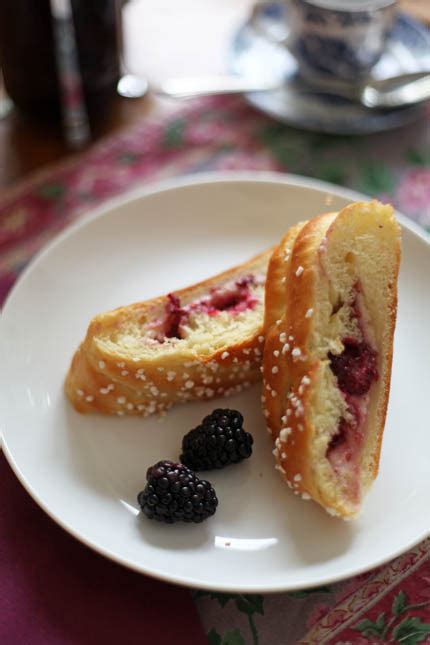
(198, 343)
(331, 301)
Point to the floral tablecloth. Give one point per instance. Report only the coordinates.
(391, 604)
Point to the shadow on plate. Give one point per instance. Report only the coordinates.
(316, 536)
(176, 537)
(88, 465)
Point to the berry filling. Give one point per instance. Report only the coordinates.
(344, 449)
(355, 368)
(174, 315)
(345, 444)
(233, 297)
(343, 452)
(338, 440)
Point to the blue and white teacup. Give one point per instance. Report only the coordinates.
(337, 39)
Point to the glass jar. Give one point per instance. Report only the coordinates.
(28, 59)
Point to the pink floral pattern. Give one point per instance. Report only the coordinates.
(413, 194)
(319, 611)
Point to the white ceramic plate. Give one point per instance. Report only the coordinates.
(85, 471)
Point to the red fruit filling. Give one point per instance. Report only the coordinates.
(345, 444)
(339, 439)
(174, 315)
(343, 452)
(235, 298)
(355, 368)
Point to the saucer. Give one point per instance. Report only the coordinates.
(255, 57)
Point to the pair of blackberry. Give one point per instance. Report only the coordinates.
(173, 492)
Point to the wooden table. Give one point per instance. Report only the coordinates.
(162, 38)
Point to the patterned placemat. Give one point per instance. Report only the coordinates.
(210, 134)
(391, 604)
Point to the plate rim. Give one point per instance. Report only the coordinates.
(142, 192)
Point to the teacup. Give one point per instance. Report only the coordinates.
(341, 39)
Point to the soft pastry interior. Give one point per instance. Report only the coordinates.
(200, 321)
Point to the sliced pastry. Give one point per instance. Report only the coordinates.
(331, 295)
(197, 343)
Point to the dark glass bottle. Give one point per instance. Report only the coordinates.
(27, 53)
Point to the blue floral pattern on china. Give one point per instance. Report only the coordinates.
(341, 43)
(256, 57)
(335, 57)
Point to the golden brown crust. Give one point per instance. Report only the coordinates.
(108, 383)
(288, 370)
(291, 303)
(109, 391)
(276, 289)
(292, 333)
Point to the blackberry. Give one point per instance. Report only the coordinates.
(175, 494)
(218, 441)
